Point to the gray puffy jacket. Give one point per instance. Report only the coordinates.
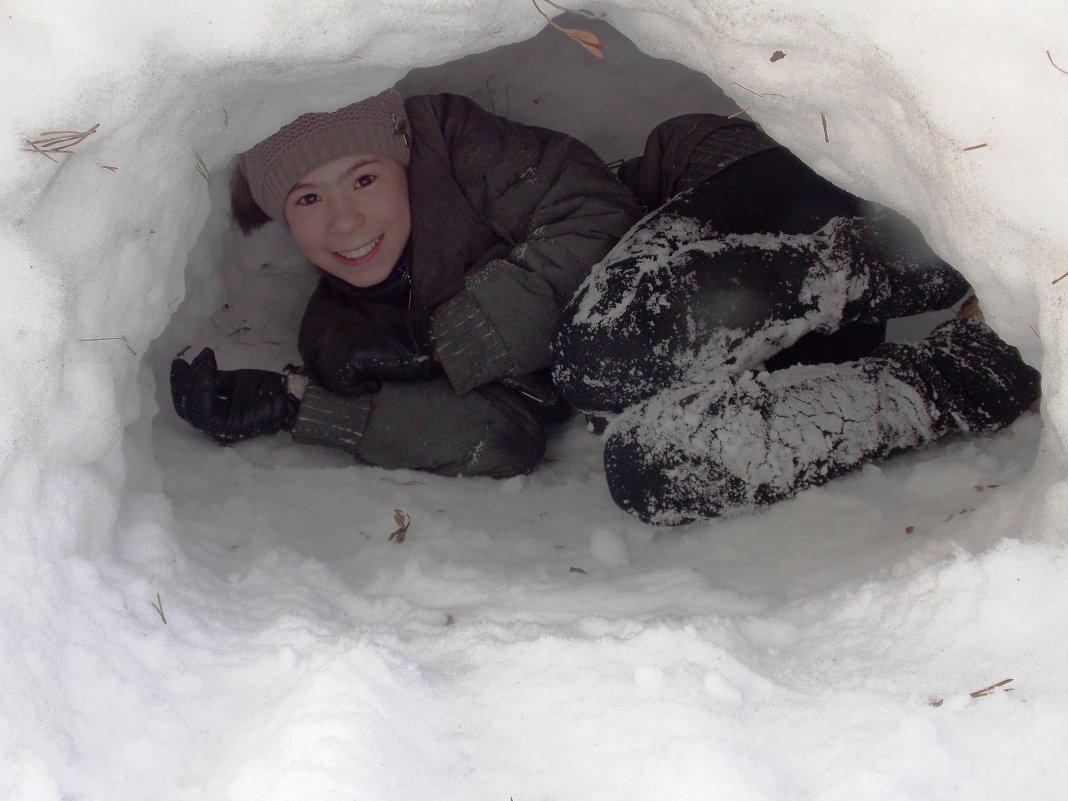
(507, 220)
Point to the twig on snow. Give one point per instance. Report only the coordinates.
(991, 689)
(111, 339)
(978, 693)
(1059, 278)
(974, 147)
(823, 119)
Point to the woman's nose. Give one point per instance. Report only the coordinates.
(345, 217)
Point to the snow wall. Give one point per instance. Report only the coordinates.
(964, 136)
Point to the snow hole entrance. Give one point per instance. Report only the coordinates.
(291, 511)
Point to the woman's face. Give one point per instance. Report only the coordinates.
(350, 217)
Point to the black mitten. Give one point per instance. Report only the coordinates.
(355, 360)
(231, 405)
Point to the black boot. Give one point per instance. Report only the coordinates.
(692, 453)
(904, 276)
(978, 381)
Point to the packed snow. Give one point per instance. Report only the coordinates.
(188, 621)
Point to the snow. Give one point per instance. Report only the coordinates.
(527, 640)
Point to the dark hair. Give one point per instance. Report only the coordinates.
(243, 206)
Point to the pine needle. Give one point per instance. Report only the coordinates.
(49, 142)
(202, 168)
(758, 94)
(158, 606)
(1054, 63)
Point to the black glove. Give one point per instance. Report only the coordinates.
(355, 359)
(231, 405)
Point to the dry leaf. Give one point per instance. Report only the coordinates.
(577, 570)
(587, 40)
(403, 521)
(909, 529)
(777, 55)
(970, 309)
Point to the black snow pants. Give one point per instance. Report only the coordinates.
(759, 266)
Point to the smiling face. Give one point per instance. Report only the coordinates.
(351, 217)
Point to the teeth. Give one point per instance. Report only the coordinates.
(360, 251)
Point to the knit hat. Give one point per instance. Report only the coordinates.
(273, 167)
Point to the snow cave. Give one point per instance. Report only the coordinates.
(183, 620)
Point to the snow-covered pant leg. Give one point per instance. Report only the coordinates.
(726, 305)
(680, 299)
(702, 451)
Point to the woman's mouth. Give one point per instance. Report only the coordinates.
(360, 254)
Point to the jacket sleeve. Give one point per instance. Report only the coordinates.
(559, 209)
(424, 425)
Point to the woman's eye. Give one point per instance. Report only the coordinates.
(306, 200)
(364, 180)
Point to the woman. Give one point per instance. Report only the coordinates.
(755, 264)
(448, 242)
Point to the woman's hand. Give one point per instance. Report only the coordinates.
(231, 405)
(354, 361)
